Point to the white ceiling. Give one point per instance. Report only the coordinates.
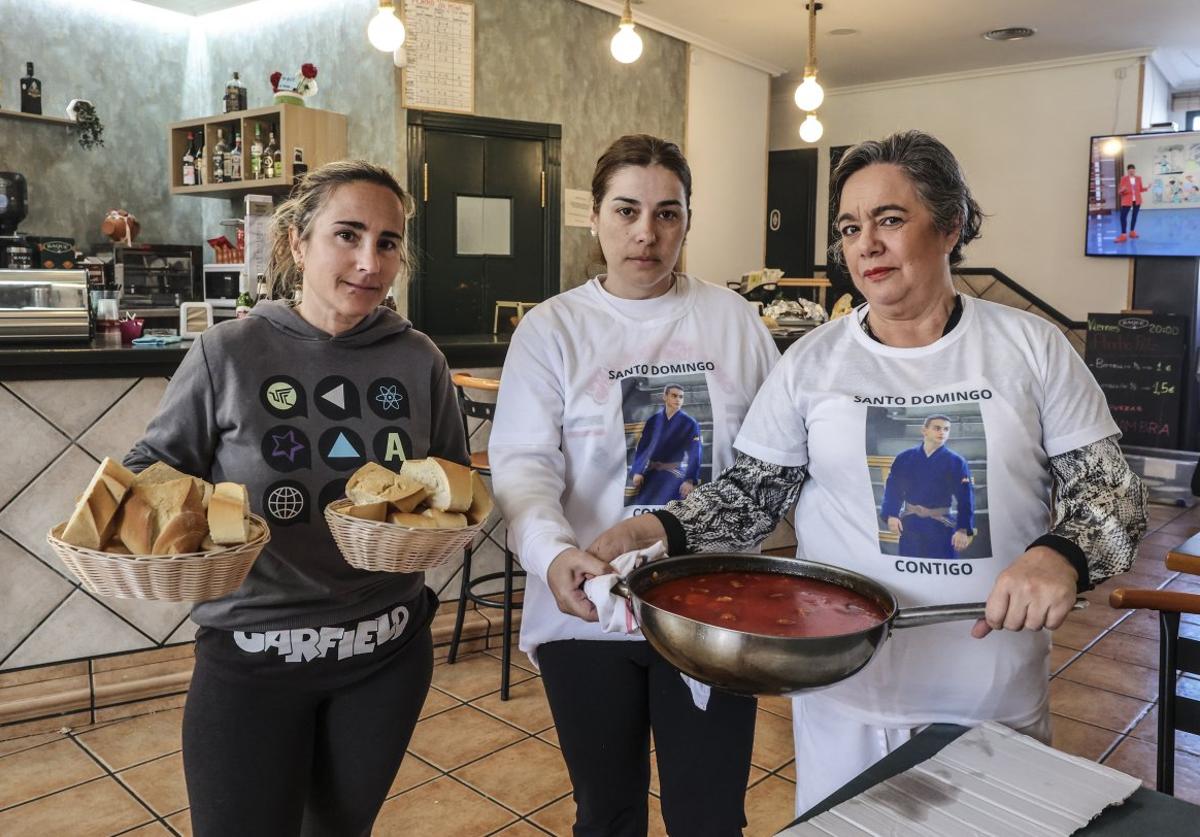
(909, 38)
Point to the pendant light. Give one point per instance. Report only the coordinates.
(386, 31)
(809, 93)
(626, 45)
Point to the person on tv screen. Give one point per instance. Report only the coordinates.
(1130, 192)
(666, 464)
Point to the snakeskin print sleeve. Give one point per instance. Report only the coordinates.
(1099, 505)
(739, 509)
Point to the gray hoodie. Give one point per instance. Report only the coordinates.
(284, 408)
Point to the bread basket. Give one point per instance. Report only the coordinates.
(386, 547)
(189, 577)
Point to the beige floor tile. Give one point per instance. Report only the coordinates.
(473, 676)
(770, 805)
(1142, 623)
(776, 705)
(136, 740)
(453, 738)
(100, 808)
(518, 658)
(140, 707)
(1060, 655)
(656, 827)
(412, 772)
(550, 736)
(150, 829)
(1081, 739)
(437, 701)
(773, 744)
(788, 771)
(523, 777)
(756, 776)
(22, 729)
(1127, 648)
(182, 822)
(526, 706)
(42, 770)
(1147, 730)
(1094, 706)
(26, 742)
(1076, 635)
(159, 784)
(557, 818)
(1139, 758)
(1113, 676)
(522, 829)
(442, 806)
(1097, 615)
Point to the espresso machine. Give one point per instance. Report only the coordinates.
(16, 253)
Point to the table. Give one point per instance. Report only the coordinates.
(1146, 812)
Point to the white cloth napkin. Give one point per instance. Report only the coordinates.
(616, 614)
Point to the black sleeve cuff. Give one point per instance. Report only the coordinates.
(1071, 551)
(676, 538)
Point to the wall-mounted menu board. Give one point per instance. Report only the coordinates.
(440, 46)
(1139, 363)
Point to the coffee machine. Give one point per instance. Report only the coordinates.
(16, 253)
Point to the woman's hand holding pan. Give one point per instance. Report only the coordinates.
(1037, 591)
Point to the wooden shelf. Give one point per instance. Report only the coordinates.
(37, 117)
(321, 133)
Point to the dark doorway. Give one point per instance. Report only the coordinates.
(838, 276)
(791, 211)
(487, 222)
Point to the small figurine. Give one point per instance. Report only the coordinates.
(294, 89)
(120, 226)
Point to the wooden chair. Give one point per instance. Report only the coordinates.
(1176, 655)
(483, 411)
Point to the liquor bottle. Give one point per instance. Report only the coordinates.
(31, 91)
(200, 158)
(256, 150)
(262, 292)
(389, 301)
(220, 150)
(189, 161)
(235, 158)
(270, 158)
(235, 94)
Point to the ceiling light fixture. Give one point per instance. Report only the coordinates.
(843, 31)
(1010, 33)
(626, 45)
(809, 93)
(385, 31)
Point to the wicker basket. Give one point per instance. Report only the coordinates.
(386, 547)
(191, 577)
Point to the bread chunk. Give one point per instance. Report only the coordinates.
(92, 522)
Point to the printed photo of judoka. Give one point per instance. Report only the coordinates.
(929, 495)
(668, 456)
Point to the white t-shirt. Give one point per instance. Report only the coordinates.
(582, 406)
(1015, 394)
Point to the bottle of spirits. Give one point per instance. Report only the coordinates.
(200, 157)
(270, 158)
(189, 161)
(256, 150)
(299, 167)
(235, 94)
(262, 293)
(235, 158)
(220, 150)
(31, 91)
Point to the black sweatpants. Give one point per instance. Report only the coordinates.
(281, 757)
(606, 697)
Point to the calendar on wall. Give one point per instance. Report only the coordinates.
(440, 46)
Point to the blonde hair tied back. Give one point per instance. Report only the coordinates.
(308, 197)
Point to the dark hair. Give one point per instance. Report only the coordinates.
(1130, 166)
(935, 417)
(933, 172)
(640, 150)
(308, 197)
(670, 387)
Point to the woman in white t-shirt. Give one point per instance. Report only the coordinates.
(617, 396)
(929, 432)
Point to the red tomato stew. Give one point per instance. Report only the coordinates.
(767, 603)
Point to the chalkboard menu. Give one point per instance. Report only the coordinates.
(1139, 363)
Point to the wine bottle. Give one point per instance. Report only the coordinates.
(235, 158)
(189, 161)
(218, 157)
(31, 91)
(200, 158)
(270, 158)
(235, 94)
(256, 150)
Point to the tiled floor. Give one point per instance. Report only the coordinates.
(480, 766)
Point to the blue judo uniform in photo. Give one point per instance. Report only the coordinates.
(667, 455)
(924, 486)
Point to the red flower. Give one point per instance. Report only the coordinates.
(275, 77)
(308, 70)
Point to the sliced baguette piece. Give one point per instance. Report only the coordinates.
(169, 499)
(412, 521)
(229, 514)
(182, 533)
(135, 525)
(445, 519)
(448, 483)
(369, 511)
(373, 483)
(160, 472)
(481, 500)
(94, 517)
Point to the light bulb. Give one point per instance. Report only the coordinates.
(1111, 147)
(811, 128)
(626, 45)
(385, 31)
(809, 94)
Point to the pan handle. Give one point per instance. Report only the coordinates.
(915, 617)
(621, 588)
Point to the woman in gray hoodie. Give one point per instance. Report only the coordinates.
(310, 676)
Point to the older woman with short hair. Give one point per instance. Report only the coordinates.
(1063, 510)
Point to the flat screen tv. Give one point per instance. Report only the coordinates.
(1144, 195)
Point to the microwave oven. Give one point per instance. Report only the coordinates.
(223, 283)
